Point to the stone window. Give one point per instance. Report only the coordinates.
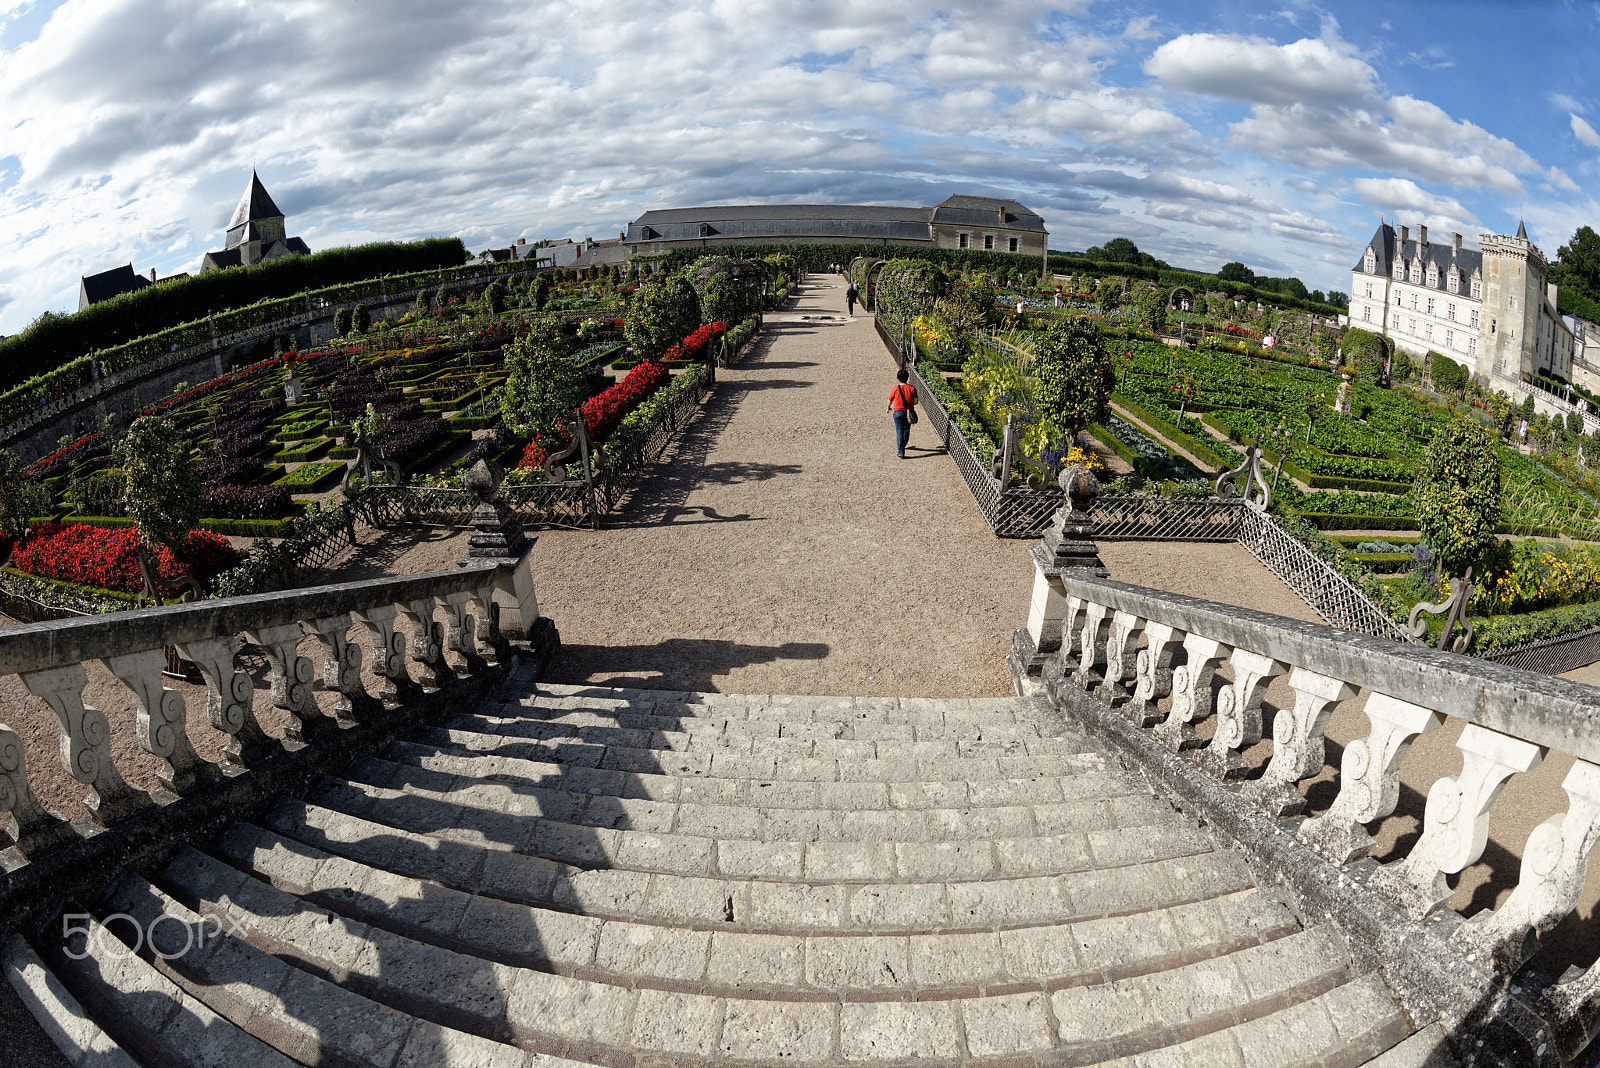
(1370, 262)
(1399, 271)
(1011, 244)
(1450, 313)
(964, 240)
(988, 242)
(1472, 346)
(1430, 305)
(1477, 289)
(1413, 302)
(1416, 273)
(705, 229)
(1474, 323)
(1433, 277)
(1411, 327)
(1369, 290)
(1427, 329)
(1455, 281)
(1449, 339)
(1366, 312)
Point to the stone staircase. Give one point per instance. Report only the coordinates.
(643, 878)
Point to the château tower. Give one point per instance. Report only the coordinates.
(1514, 272)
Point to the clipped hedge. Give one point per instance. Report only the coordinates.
(1504, 632)
(1383, 563)
(1205, 453)
(1346, 521)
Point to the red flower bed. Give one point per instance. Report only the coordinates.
(694, 346)
(97, 556)
(1239, 331)
(603, 411)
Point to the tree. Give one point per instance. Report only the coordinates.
(494, 297)
(724, 299)
(1579, 263)
(163, 493)
(1457, 495)
(1074, 376)
(360, 319)
(1448, 376)
(961, 313)
(1108, 295)
(1318, 296)
(1339, 300)
(1575, 424)
(541, 292)
(18, 499)
(663, 312)
(1237, 272)
(1121, 250)
(542, 387)
(1153, 308)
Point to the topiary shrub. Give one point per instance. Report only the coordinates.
(1457, 495)
(662, 313)
(1073, 377)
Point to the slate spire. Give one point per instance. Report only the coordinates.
(256, 204)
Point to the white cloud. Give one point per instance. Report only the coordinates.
(1396, 194)
(1584, 132)
(1255, 70)
(1567, 103)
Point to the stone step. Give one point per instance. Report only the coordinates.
(1089, 778)
(456, 782)
(75, 1033)
(1131, 874)
(807, 846)
(540, 722)
(924, 966)
(1352, 1024)
(290, 1013)
(786, 708)
(558, 1013)
(842, 761)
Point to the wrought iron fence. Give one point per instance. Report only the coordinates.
(1332, 596)
(1552, 656)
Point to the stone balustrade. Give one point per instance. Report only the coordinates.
(422, 634)
(1108, 653)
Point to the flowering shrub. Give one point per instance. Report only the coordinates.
(248, 502)
(603, 411)
(94, 556)
(406, 441)
(694, 345)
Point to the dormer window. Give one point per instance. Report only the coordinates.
(1477, 287)
(705, 229)
(1455, 281)
(1399, 271)
(1416, 273)
(1370, 263)
(1433, 277)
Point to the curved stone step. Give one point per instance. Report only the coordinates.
(845, 761)
(558, 1012)
(812, 846)
(1130, 882)
(1088, 778)
(75, 1033)
(1092, 810)
(731, 962)
(575, 722)
(555, 698)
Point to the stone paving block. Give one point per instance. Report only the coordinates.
(1115, 848)
(694, 900)
(1014, 901)
(801, 825)
(883, 825)
(568, 1009)
(850, 861)
(995, 792)
(930, 794)
(1199, 991)
(853, 963)
(412, 902)
(528, 932)
(1359, 1006)
(789, 905)
(652, 761)
(896, 768)
(460, 982)
(431, 1046)
(517, 877)
(786, 793)
(894, 1032)
(1093, 893)
(718, 821)
(345, 1024)
(1079, 817)
(1109, 944)
(1009, 1024)
(1087, 1014)
(688, 1024)
(798, 767)
(1293, 961)
(701, 791)
(931, 861)
(969, 824)
(953, 960)
(1045, 855)
(605, 891)
(756, 960)
(900, 905)
(761, 860)
(846, 796)
(676, 853)
(1299, 1034)
(585, 847)
(1040, 952)
(653, 951)
(625, 814)
(1216, 1050)
(796, 1032)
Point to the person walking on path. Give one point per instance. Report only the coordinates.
(903, 405)
(850, 296)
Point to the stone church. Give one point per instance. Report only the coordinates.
(256, 233)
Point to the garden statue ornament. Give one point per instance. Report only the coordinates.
(157, 591)
(1068, 541)
(1255, 492)
(1454, 609)
(555, 466)
(366, 459)
(291, 385)
(1341, 403)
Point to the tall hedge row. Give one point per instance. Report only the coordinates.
(56, 340)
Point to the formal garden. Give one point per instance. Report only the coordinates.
(281, 451)
(1361, 445)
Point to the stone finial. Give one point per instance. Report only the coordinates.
(1069, 539)
(496, 530)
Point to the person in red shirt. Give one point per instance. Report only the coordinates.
(902, 401)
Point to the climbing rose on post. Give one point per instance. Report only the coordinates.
(1457, 495)
(163, 494)
(1074, 376)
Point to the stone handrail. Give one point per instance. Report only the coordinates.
(1111, 649)
(409, 652)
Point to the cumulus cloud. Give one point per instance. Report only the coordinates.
(1397, 194)
(1584, 132)
(1255, 70)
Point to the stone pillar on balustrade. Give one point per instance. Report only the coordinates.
(1067, 546)
(497, 535)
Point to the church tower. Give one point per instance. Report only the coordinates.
(255, 233)
(1514, 273)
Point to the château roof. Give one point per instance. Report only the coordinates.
(93, 288)
(255, 204)
(1386, 245)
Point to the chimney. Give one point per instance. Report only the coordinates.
(1405, 234)
(1002, 213)
(1550, 290)
(1455, 242)
(1422, 235)
(522, 241)
(152, 274)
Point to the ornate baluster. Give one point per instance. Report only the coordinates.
(162, 721)
(1239, 714)
(388, 654)
(427, 638)
(1298, 750)
(86, 743)
(459, 627)
(229, 696)
(1191, 692)
(492, 645)
(1154, 669)
(291, 681)
(1554, 865)
(1121, 654)
(36, 829)
(1456, 821)
(1369, 780)
(1092, 646)
(1071, 635)
(341, 667)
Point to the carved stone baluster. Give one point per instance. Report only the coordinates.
(492, 645)
(1191, 692)
(291, 681)
(1369, 779)
(86, 743)
(388, 654)
(1092, 646)
(341, 667)
(1554, 865)
(229, 696)
(1071, 636)
(1154, 669)
(36, 829)
(427, 639)
(1298, 750)
(1121, 654)
(162, 721)
(1456, 821)
(459, 626)
(1239, 714)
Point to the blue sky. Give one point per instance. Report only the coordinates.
(1274, 133)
